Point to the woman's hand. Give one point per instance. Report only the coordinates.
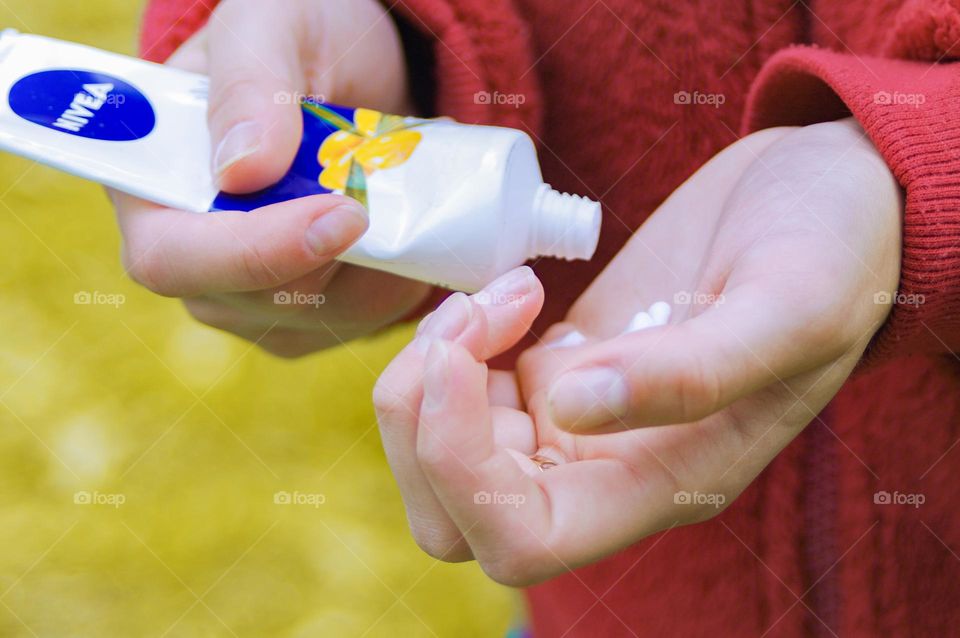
(775, 253)
(262, 58)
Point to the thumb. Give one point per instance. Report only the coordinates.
(255, 121)
(685, 372)
(181, 254)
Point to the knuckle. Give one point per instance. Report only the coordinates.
(253, 268)
(227, 94)
(387, 400)
(434, 456)
(698, 388)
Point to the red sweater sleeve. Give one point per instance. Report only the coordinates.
(909, 109)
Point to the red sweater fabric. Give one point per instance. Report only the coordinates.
(804, 551)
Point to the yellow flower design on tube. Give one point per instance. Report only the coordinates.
(376, 141)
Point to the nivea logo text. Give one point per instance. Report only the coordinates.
(83, 103)
(83, 106)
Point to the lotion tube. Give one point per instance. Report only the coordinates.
(451, 204)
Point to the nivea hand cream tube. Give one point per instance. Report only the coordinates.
(450, 204)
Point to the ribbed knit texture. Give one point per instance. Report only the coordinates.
(599, 80)
(919, 142)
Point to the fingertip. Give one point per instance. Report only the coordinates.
(337, 227)
(324, 225)
(510, 303)
(514, 287)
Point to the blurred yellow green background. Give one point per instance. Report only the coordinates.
(195, 432)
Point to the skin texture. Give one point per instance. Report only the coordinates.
(780, 243)
(261, 59)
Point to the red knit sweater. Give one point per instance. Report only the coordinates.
(804, 551)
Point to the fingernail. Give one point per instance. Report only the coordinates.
(435, 374)
(569, 340)
(506, 289)
(336, 229)
(449, 320)
(589, 397)
(241, 141)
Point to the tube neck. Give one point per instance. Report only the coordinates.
(564, 226)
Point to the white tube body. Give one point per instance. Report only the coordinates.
(458, 212)
(170, 165)
(450, 204)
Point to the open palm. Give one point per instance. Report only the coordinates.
(773, 253)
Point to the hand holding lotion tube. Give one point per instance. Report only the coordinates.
(450, 204)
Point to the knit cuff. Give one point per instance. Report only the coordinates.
(909, 110)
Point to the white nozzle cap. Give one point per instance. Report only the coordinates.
(564, 226)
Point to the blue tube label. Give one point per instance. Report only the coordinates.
(83, 103)
(341, 148)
